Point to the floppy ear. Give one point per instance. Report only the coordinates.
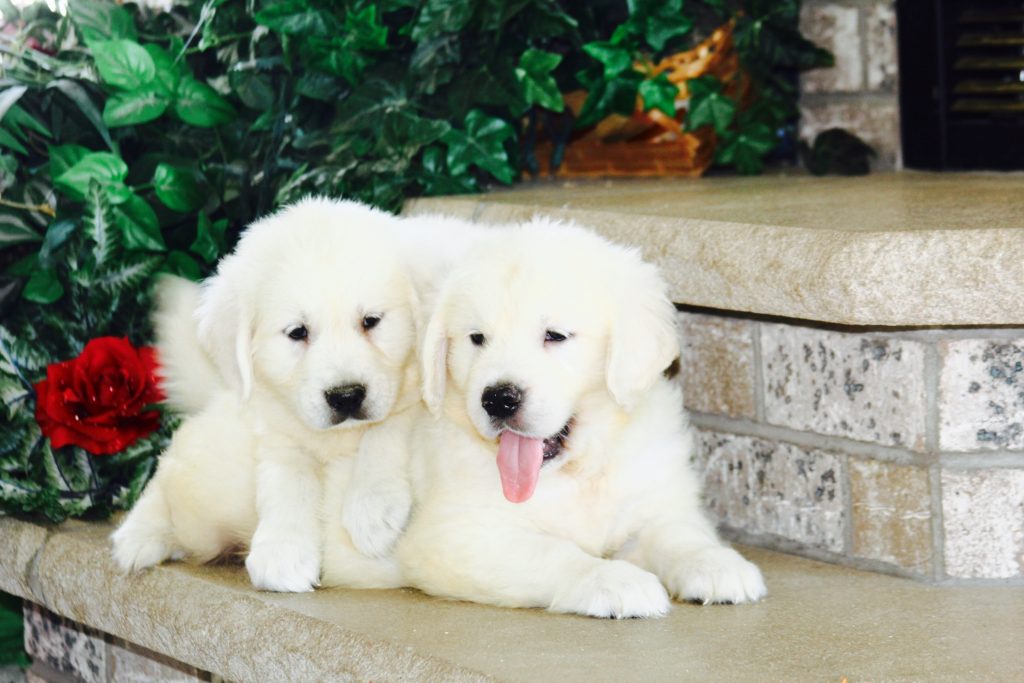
(434, 357)
(226, 323)
(643, 339)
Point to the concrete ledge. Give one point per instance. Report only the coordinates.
(891, 249)
(819, 622)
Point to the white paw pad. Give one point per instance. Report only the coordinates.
(615, 589)
(284, 565)
(717, 575)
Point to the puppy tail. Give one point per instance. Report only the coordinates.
(190, 377)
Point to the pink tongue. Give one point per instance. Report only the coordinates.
(519, 460)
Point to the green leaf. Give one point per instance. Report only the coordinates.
(200, 105)
(43, 287)
(10, 142)
(709, 105)
(127, 275)
(77, 94)
(481, 144)
(535, 79)
(123, 64)
(14, 231)
(63, 157)
(746, 148)
(296, 17)
(17, 119)
(662, 21)
(209, 242)
(168, 72)
(177, 188)
(441, 16)
(138, 225)
(617, 96)
(615, 59)
(100, 20)
(99, 166)
(364, 30)
(57, 233)
(659, 93)
(253, 88)
(98, 221)
(133, 107)
(9, 96)
(438, 180)
(180, 263)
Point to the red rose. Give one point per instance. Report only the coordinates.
(98, 401)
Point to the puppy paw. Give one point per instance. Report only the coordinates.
(284, 565)
(136, 549)
(615, 589)
(717, 574)
(375, 516)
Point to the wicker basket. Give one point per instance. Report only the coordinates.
(652, 143)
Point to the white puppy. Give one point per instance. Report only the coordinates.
(545, 361)
(305, 341)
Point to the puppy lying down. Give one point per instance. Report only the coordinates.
(556, 473)
(304, 345)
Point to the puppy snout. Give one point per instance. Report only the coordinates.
(502, 401)
(346, 401)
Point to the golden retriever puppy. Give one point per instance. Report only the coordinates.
(304, 344)
(556, 473)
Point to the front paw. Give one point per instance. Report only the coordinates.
(717, 574)
(284, 565)
(375, 516)
(615, 589)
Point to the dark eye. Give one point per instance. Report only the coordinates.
(552, 336)
(477, 338)
(298, 333)
(370, 321)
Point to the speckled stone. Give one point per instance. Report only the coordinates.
(981, 404)
(983, 516)
(718, 365)
(763, 487)
(837, 29)
(891, 509)
(861, 386)
(876, 120)
(880, 47)
(132, 664)
(64, 646)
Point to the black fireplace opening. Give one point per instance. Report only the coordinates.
(961, 83)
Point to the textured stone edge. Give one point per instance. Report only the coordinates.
(181, 616)
(843, 287)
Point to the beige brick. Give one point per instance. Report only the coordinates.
(981, 395)
(983, 519)
(717, 369)
(875, 120)
(133, 664)
(866, 387)
(64, 646)
(880, 49)
(837, 29)
(891, 514)
(763, 487)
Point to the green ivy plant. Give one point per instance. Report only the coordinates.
(134, 143)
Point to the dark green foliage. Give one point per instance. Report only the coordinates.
(837, 151)
(12, 639)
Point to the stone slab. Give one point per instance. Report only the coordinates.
(835, 28)
(891, 514)
(903, 248)
(983, 519)
(767, 487)
(981, 395)
(858, 386)
(820, 622)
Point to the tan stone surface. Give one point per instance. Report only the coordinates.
(718, 364)
(891, 514)
(983, 520)
(882, 60)
(837, 29)
(819, 622)
(907, 248)
(873, 118)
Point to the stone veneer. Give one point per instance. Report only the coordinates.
(900, 451)
(860, 93)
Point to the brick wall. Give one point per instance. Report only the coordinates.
(860, 92)
(900, 451)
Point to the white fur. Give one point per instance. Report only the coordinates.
(615, 526)
(248, 469)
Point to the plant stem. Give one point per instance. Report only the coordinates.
(41, 208)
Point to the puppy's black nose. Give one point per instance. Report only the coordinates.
(502, 401)
(346, 400)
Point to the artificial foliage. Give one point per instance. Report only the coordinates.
(135, 142)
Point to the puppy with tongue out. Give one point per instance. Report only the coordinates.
(554, 472)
